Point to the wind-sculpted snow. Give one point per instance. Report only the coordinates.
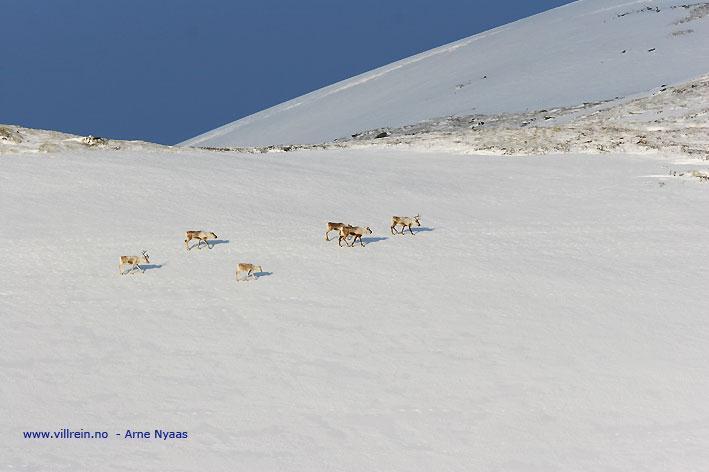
(587, 51)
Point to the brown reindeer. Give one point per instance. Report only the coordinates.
(356, 231)
(333, 227)
(201, 237)
(134, 261)
(248, 268)
(405, 222)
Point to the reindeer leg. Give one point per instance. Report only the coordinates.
(326, 238)
(411, 231)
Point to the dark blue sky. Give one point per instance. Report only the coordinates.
(167, 70)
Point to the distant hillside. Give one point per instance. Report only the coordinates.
(586, 51)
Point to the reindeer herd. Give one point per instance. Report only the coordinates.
(345, 231)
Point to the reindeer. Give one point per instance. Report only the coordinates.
(248, 268)
(134, 261)
(333, 227)
(356, 231)
(201, 236)
(405, 222)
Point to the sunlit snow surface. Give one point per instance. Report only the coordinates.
(550, 314)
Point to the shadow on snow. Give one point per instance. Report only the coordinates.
(422, 229)
(373, 239)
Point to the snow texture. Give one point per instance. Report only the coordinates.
(550, 314)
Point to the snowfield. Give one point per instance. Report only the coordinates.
(549, 315)
(586, 51)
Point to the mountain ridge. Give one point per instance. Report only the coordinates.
(574, 53)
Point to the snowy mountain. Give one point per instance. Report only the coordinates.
(548, 314)
(590, 50)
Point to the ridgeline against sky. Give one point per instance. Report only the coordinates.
(167, 71)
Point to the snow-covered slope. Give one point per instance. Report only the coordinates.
(586, 51)
(549, 315)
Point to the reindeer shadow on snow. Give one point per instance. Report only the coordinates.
(208, 244)
(140, 268)
(413, 230)
(373, 239)
(253, 276)
(147, 267)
